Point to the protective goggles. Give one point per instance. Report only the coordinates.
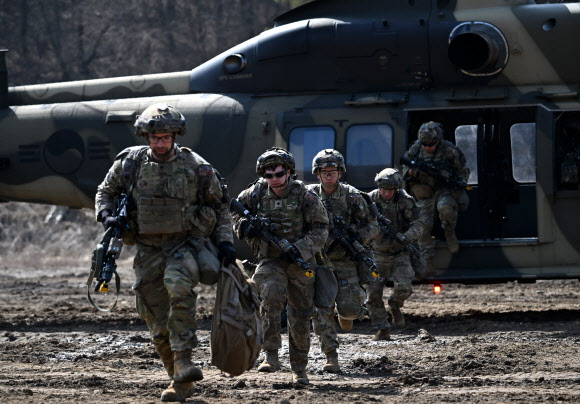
(278, 174)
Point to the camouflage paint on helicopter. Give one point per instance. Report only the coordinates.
(501, 75)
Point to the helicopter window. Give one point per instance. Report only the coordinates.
(305, 142)
(369, 149)
(523, 144)
(466, 140)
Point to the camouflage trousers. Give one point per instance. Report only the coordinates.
(349, 304)
(351, 296)
(323, 323)
(280, 282)
(446, 206)
(398, 268)
(165, 298)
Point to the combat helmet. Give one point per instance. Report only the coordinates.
(275, 156)
(430, 132)
(160, 118)
(389, 178)
(328, 158)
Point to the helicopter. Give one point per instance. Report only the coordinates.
(501, 76)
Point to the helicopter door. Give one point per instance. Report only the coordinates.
(500, 148)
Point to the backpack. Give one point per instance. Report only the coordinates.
(236, 327)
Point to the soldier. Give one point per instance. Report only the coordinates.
(396, 205)
(345, 202)
(435, 192)
(179, 206)
(298, 217)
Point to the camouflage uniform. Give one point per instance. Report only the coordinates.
(346, 201)
(391, 260)
(299, 217)
(165, 267)
(432, 194)
(178, 206)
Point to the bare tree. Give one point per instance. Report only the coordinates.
(65, 40)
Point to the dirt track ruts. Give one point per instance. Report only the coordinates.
(488, 343)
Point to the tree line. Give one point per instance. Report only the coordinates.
(64, 40)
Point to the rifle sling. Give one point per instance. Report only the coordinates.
(117, 286)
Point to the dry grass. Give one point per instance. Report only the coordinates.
(43, 236)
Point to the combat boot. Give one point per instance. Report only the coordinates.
(331, 365)
(166, 355)
(452, 242)
(299, 377)
(177, 391)
(184, 370)
(384, 334)
(271, 362)
(398, 319)
(345, 323)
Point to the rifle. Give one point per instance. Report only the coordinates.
(385, 227)
(347, 238)
(103, 263)
(453, 181)
(266, 233)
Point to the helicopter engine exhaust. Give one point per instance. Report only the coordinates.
(478, 49)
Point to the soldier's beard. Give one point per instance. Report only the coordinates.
(164, 154)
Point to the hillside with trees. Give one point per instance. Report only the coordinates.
(63, 40)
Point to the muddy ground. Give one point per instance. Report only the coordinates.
(492, 343)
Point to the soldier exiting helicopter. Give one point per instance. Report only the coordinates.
(348, 210)
(433, 170)
(390, 249)
(178, 211)
(297, 227)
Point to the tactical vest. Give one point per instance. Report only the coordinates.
(285, 215)
(394, 210)
(166, 194)
(336, 206)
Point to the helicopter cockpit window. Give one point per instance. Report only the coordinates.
(369, 149)
(523, 146)
(466, 140)
(305, 142)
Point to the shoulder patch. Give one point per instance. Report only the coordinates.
(310, 196)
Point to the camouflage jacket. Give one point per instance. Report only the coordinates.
(298, 216)
(447, 157)
(184, 191)
(347, 201)
(405, 217)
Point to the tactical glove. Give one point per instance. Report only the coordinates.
(107, 219)
(227, 253)
(401, 237)
(249, 231)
